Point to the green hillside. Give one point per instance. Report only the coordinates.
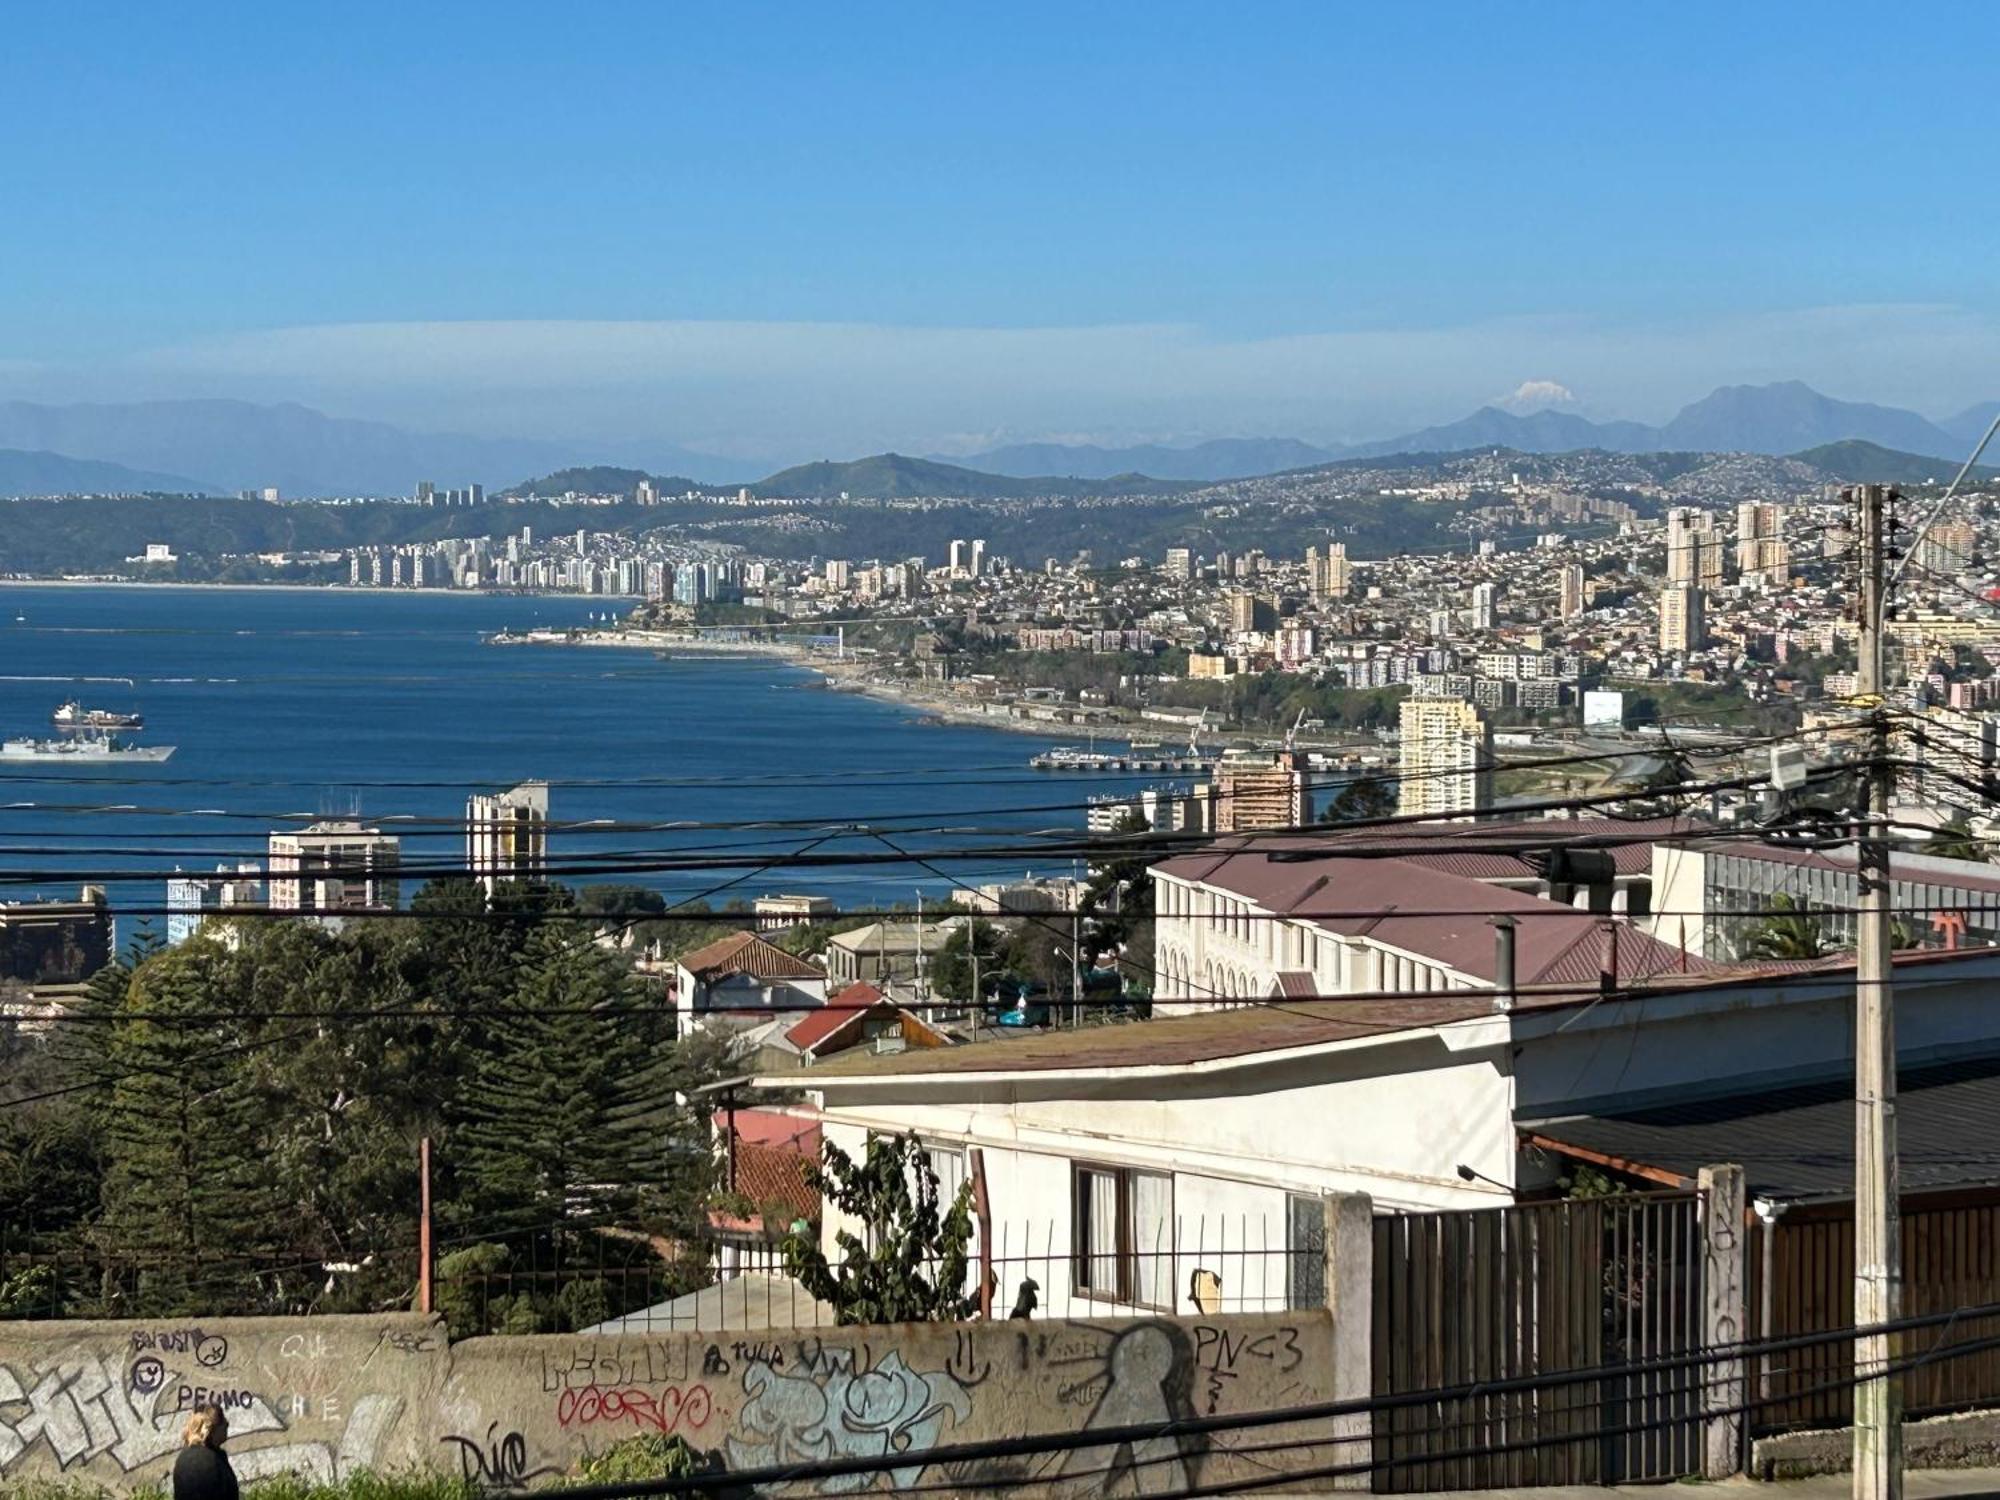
(896, 476)
(599, 479)
(1861, 462)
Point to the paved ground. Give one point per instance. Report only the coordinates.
(1919, 1484)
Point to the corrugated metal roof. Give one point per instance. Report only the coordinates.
(1798, 1143)
(1413, 906)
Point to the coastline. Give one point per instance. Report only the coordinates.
(838, 675)
(289, 588)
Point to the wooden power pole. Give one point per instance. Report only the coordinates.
(1878, 1252)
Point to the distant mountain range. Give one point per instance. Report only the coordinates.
(1772, 419)
(224, 446)
(38, 473)
(237, 445)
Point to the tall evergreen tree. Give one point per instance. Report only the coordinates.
(192, 1213)
(573, 1109)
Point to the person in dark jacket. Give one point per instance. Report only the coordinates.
(202, 1471)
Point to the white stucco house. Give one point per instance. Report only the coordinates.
(1121, 1161)
(1345, 1025)
(1251, 918)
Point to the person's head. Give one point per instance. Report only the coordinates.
(206, 1427)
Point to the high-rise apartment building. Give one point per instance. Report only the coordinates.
(334, 866)
(1683, 623)
(1242, 612)
(1328, 573)
(1694, 551)
(1761, 550)
(961, 555)
(1180, 564)
(1573, 595)
(976, 562)
(1258, 791)
(191, 899)
(1484, 606)
(507, 835)
(1947, 549)
(1444, 765)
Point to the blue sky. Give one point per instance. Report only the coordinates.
(827, 227)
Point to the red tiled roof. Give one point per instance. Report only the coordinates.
(765, 1175)
(746, 953)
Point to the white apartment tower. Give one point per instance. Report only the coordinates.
(1694, 551)
(1328, 574)
(1760, 540)
(1444, 765)
(1484, 611)
(336, 865)
(507, 835)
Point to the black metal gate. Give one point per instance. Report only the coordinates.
(1539, 1288)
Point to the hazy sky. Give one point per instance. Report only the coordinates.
(825, 228)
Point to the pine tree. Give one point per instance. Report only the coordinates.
(571, 1112)
(192, 1214)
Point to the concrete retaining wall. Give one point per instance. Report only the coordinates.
(1968, 1440)
(332, 1396)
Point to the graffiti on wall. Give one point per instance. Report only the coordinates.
(84, 1405)
(811, 1400)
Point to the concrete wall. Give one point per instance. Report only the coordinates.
(329, 1397)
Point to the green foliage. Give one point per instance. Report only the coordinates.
(909, 1263)
(259, 1130)
(570, 1110)
(188, 1194)
(650, 1455)
(1117, 906)
(951, 967)
(597, 479)
(1362, 799)
(1956, 840)
(29, 1293)
(1585, 1181)
(1789, 932)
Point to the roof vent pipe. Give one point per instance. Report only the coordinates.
(1607, 962)
(1504, 982)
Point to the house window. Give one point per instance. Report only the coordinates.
(1124, 1236)
(948, 1164)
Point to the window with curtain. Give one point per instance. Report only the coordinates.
(1123, 1247)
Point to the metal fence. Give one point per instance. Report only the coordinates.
(62, 1273)
(1200, 1266)
(1490, 1294)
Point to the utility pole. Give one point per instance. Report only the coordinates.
(426, 1255)
(1878, 1250)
